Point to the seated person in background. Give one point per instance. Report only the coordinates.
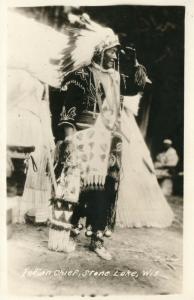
(166, 161)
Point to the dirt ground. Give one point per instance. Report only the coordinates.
(145, 261)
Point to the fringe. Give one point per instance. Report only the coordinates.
(92, 187)
(140, 76)
(59, 240)
(94, 181)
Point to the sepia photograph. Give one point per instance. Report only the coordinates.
(95, 150)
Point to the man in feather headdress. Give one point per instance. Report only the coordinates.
(92, 103)
(91, 173)
(88, 182)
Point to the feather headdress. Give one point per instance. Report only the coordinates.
(49, 55)
(87, 38)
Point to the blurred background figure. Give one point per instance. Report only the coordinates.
(165, 165)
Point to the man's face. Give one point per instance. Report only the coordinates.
(110, 56)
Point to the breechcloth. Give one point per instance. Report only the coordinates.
(98, 206)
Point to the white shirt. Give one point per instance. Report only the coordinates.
(168, 158)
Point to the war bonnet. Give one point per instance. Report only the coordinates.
(86, 42)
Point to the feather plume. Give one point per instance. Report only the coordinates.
(50, 55)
